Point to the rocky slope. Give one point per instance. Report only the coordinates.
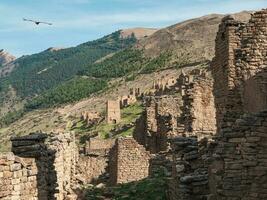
(5, 58)
(194, 38)
(139, 33)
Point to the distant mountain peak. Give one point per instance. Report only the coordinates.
(5, 57)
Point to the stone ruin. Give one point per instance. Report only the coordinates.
(162, 84)
(130, 98)
(91, 117)
(130, 161)
(209, 135)
(49, 166)
(188, 110)
(40, 167)
(127, 100)
(113, 112)
(234, 164)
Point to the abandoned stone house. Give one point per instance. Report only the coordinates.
(211, 137)
(113, 112)
(91, 117)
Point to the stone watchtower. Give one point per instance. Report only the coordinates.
(113, 112)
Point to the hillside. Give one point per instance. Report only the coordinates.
(139, 33)
(32, 75)
(188, 43)
(179, 45)
(39, 72)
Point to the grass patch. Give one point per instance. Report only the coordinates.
(146, 189)
(128, 116)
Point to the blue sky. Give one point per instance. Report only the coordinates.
(78, 21)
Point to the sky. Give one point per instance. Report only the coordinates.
(78, 21)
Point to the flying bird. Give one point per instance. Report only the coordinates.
(36, 22)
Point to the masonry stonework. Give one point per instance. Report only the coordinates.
(129, 161)
(234, 165)
(239, 68)
(189, 109)
(113, 112)
(18, 178)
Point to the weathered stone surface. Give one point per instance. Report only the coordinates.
(129, 161)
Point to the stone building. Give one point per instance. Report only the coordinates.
(43, 167)
(129, 161)
(234, 165)
(113, 112)
(240, 68)
(91, 117)
(188, 109)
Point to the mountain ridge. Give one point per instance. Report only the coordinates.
(171, 47)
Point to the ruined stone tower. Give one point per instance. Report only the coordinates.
(239, 68)
(113, 112)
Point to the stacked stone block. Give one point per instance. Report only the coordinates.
(113, 112)
(129, 161)
(189, 175)
(18, 178)
(239, 68)
(93, 166)
(198, 110)
(53, 159)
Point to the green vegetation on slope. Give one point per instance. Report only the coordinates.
(158, 63)
(104, 130)
(118, 65)
(70, 91)
(11, 117)
(39, 72)
(128, 117)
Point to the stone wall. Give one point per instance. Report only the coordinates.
(189, 109)
(190, 172)
(91, 118)
(198, 116)
(55, 156)
(95, 144)
(239, 68)
(159, 122)
(65, 158)
(242, 151)
(234, 165)
(18, 178)
(93, 166)
(129, 161)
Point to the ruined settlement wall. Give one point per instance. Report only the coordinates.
(129, 161)
(198, 109)
(189, 109)
(93, 166)
(234, 165)
(18, 178)
(239, 68)
(113, 112)
(242, 115)
(43, 168)
(158, 122)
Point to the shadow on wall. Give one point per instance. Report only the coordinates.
(47, 176)
(33, 146)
